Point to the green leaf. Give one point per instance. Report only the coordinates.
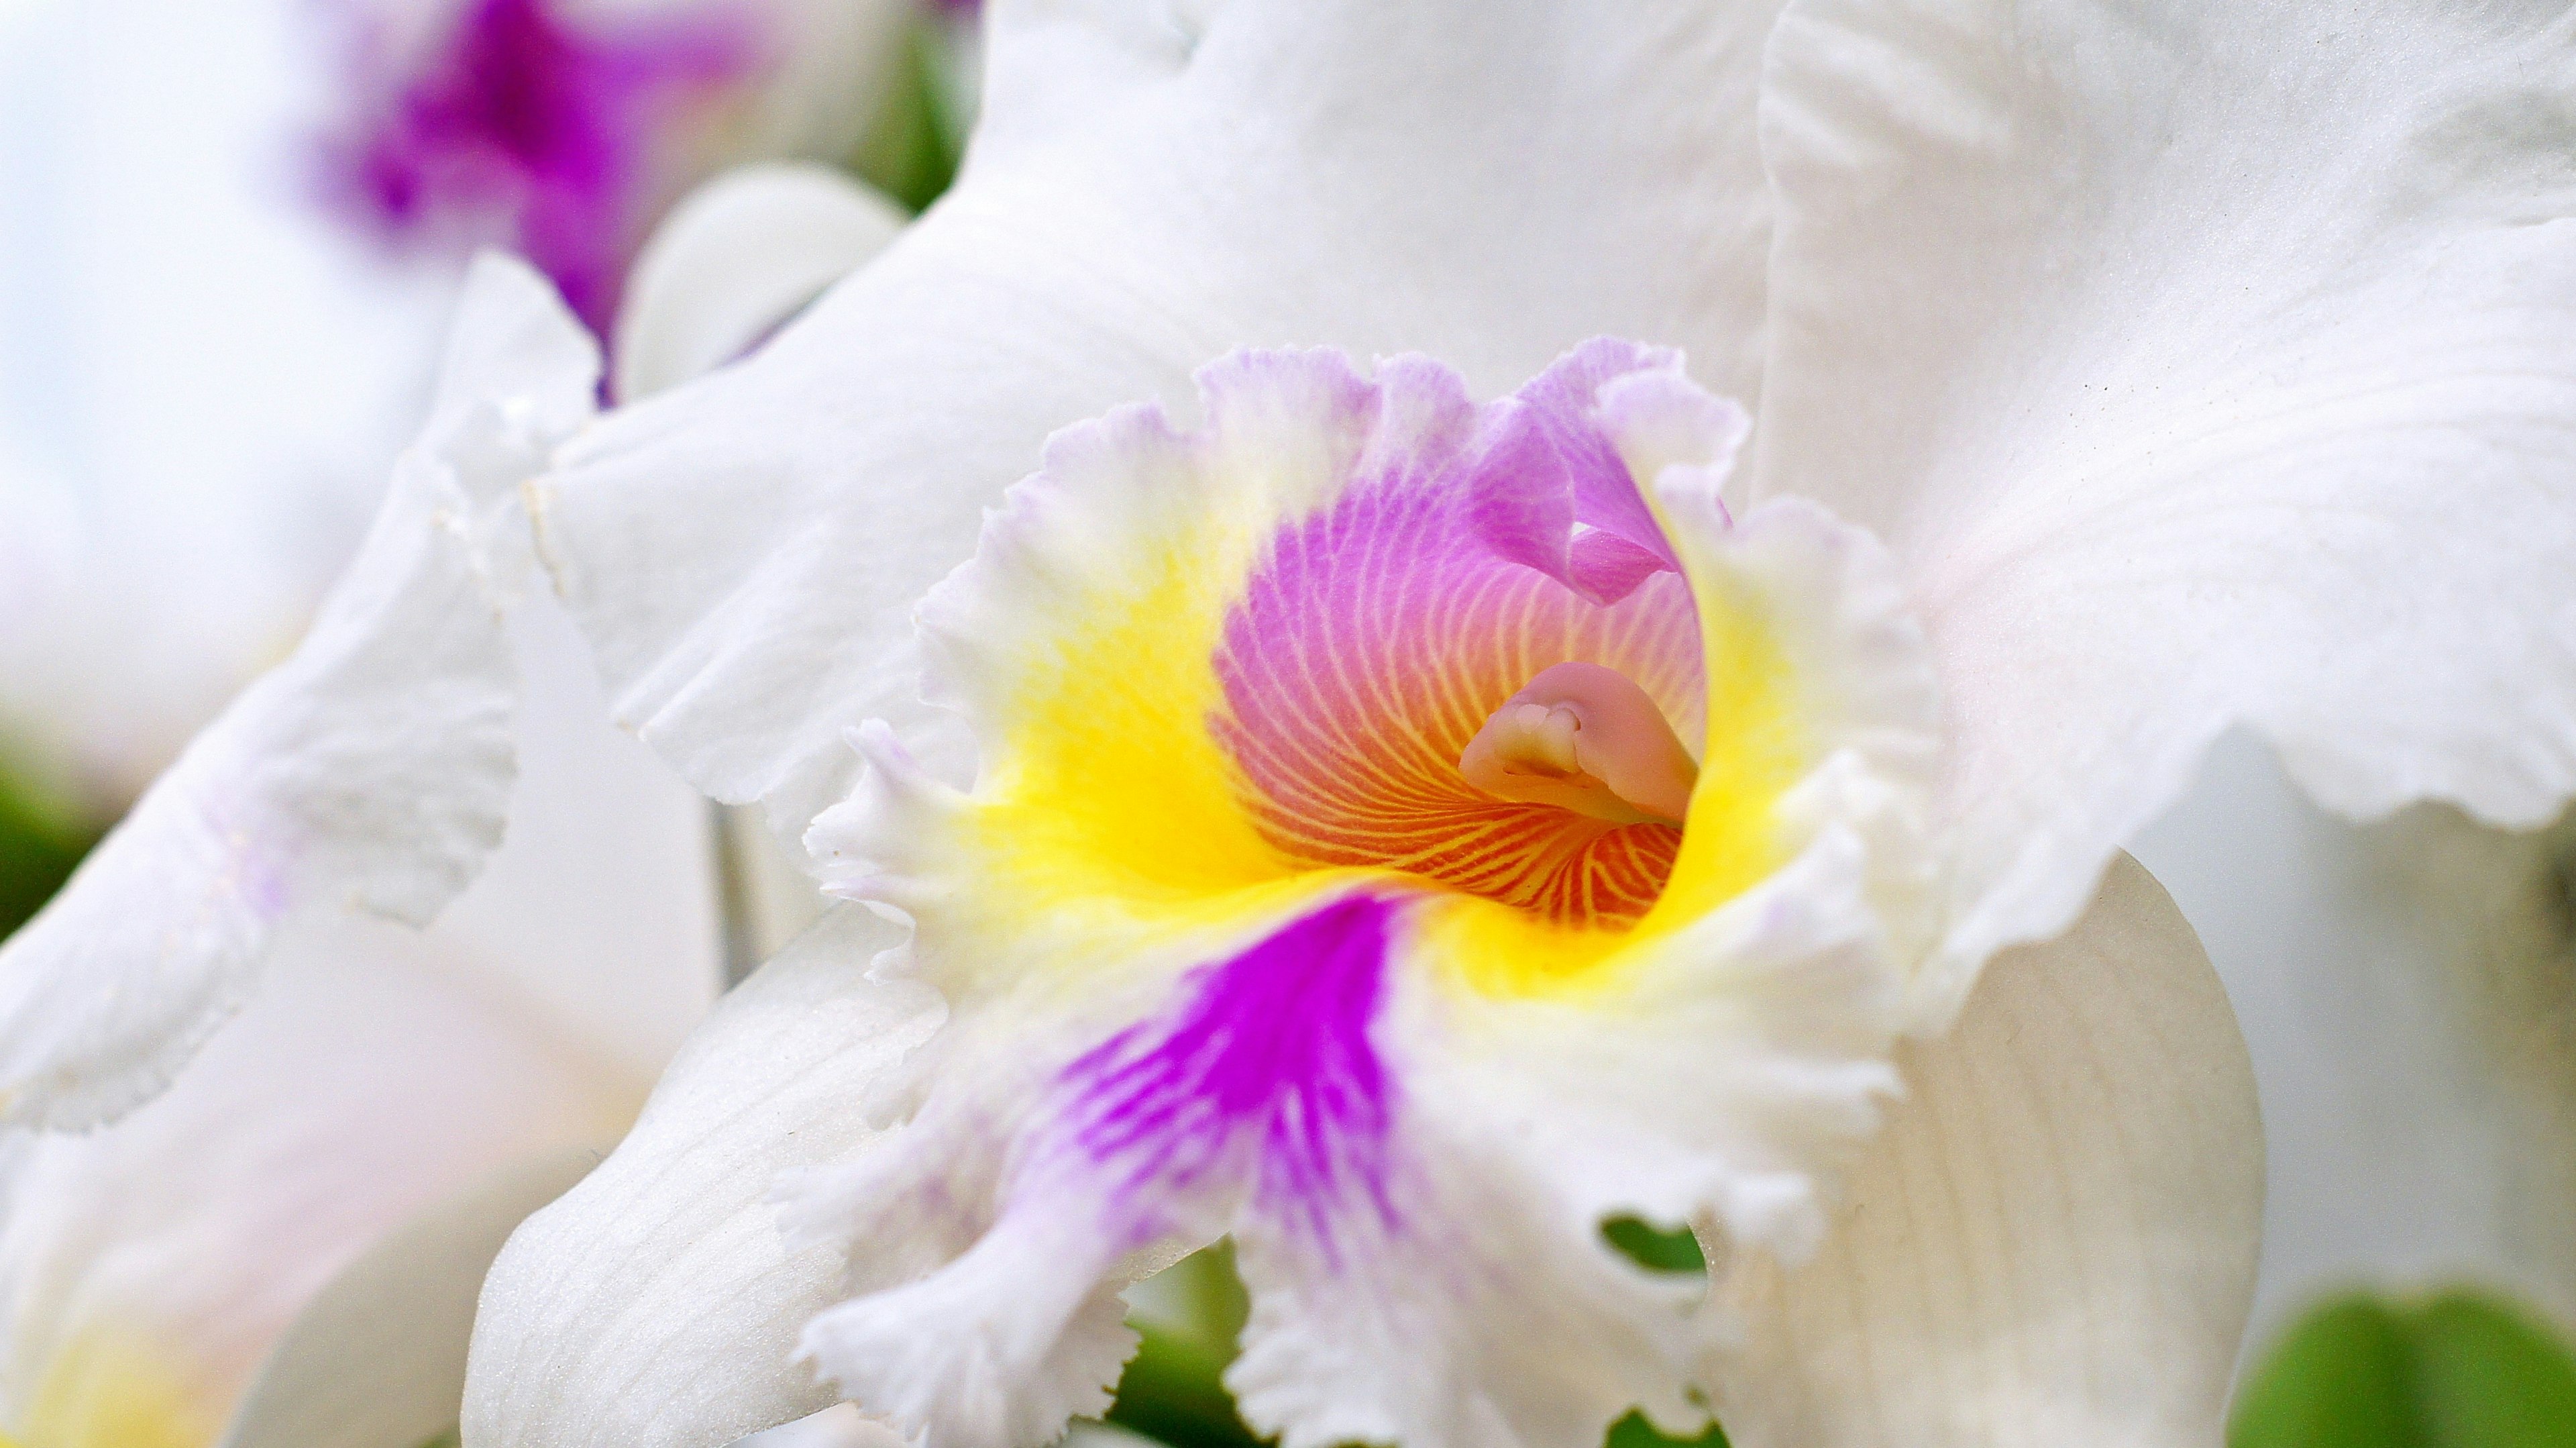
(1654, 1248)
(2457, 1370)
(39, 845)
(1173, 1392)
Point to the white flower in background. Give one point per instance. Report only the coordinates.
(431, 1088)
(290, 1240)
(2408, 991)
(434, 1087)
(201, 386)
(2209, 377)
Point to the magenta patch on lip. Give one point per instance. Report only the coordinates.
(1268, 1056)
(540, 124)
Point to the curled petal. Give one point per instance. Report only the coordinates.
(734, 261)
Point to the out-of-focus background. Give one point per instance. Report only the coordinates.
(230, 233)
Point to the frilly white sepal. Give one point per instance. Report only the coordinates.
(369, 772)
(882, 844)
(998, 1348)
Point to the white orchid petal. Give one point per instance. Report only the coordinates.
(370, 771)
(2409, 999)
(2053, 1240)
(147, 1267)
(839, 1426)
(735, 259)
(656, 1305)
(598, 914)
(2210, 366)
(1492, 183)
(377, 1359)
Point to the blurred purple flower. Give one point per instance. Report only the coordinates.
(519, 125)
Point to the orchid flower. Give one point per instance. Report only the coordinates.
(2098, 376)
(564, 130)
(1253, 915)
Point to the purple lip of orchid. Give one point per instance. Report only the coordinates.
(1268, 1055)
(534, 129)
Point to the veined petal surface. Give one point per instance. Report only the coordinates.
(370, 772)
(2053, 1240)
(1232, 945)
(657, 1305)
(2204, 363)
(1148, 188)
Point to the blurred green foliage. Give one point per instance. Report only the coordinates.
(2455, 1370)
(1653, 1247)
(1171, 1393)
(39, 845)
(1172, 1390)
(911, 150)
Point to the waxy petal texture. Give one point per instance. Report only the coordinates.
(2210, 365)
(2052, 1242)
(657, 1303)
